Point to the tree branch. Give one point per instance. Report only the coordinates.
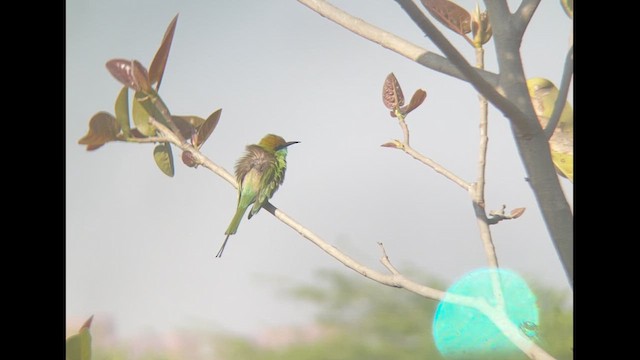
(476, 191)
(533, 150)
(396, 279)
(145, 140)
(389, 280)
(436, 167)
(484, 136)
(523, 15)
(385, 261)
(496, 315)
(391, 41)
(198, 157)
(563, 92)
(393, 280)
(531, 141)
(471, 74)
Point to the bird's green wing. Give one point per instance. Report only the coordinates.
(266, 189)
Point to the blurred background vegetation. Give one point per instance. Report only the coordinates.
(356, 319)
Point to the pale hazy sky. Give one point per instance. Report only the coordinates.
(140, 246)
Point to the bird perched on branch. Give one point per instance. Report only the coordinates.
(259, 174)
(543, 97)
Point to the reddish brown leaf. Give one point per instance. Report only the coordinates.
(121, 69)
(187, 125)
(187, 159)
(156, 70)
(392, 93)
(103, 127)
(87, 324)
(416, 100)
(130, 73)
(392, 144)
(207, 128)
(516, 213)
(93, 147)
(140, 76)
(137, 134)
(449, 14)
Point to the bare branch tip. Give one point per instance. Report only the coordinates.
(384, 253)
(496, 216)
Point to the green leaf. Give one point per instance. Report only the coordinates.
(164, 158)
(78, 346)
(154, 106)
(480, 27)
(141, 116)
(122, 111)
(156, 70)
(103, 128)
(207, 128)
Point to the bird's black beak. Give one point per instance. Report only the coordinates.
(287, 144)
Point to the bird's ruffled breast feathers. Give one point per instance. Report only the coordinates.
(255, 158)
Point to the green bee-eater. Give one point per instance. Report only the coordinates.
(259, 174)
(543, 97)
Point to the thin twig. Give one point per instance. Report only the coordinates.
(405, 129)
(390, 41)
(472, 75)
(151, 139)
(160, 108)
(477, 192)
(542, 177)
(563, 92)
(484, 136)
(390, 280)
(496, 315)
(532, 145)
(436, 167)
(386, 262)
(197, 155)
(406, 147)
(394, 280)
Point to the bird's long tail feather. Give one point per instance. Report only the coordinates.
(222, 247)
(233, 226)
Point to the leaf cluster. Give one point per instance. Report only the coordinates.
(147, 108)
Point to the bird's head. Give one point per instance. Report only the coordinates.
(274, 143)
(536, 84)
